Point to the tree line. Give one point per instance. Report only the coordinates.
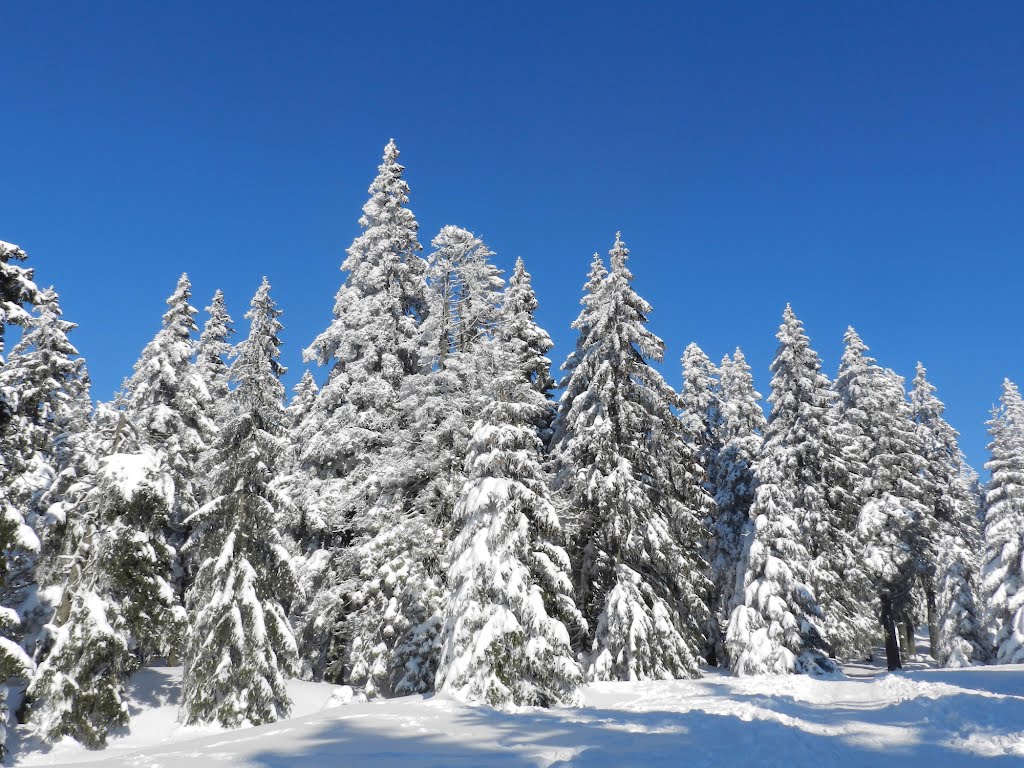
(433, 517)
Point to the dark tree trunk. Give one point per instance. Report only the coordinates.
(908, 632)
(712, 657)
(933, 618)
(892, 643)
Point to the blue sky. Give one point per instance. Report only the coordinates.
(863, 161)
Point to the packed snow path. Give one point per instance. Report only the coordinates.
(929, 718)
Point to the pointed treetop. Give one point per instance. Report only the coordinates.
(927, 407)
(598, 272)
(790, 323)
(619, 255)
(854, 357)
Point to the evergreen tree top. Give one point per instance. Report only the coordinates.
(219, 325)
(180, 317)
(796, 373)
(257, 369)
(389, 226)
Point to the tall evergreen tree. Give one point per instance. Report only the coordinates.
(1002, 574)
(168, 403)
(570, 377)
(214, 349)
(17, 291)
(894, 526)
(740, 432)
(240, 646)
(504, 641)
(849, 606)
(700, 410)
(372, 345)
(531, 342)
(392, 628)
(699, 418)
(49, 390)
(117, 608)
(633, 485)
(776, 625)
(955, 624)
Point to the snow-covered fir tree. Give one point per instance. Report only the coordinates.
(117, 608)
(168, 404)
(956, 624)
(1002, 576)
(17, 540)
(740, 432)
(570, 377)
(49, 391)
(634, 491)
(214, 349)
(531, 342)
(894, 527)
(838, 575)
(776, 624)
(504, 641)
(372, 344)
(465, 290)
(699, 406)
(392, 629)
(240, 647)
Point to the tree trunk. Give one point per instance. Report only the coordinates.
(908, 632)
(892, 643)
(933, 617)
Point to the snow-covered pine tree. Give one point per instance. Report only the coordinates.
(392, 629)
(167, 402)
(531, 342)
(504, 641)
(579, 381)
(955, 625)
(214, 349)
(51, 390)
(700, 410)
(371, 345)
(117, 607)
(699, 417)
(240, 646)
(633, 487)
(740, 432)
(16, 292)
(837, 574)
(776, 624)
(466, 289)
(893, 528)
(1001, 573)
(313, 572)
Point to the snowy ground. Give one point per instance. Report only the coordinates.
(922, 717)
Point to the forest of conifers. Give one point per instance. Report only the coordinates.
(439, 512)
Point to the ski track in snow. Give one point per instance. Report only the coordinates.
(935, 718)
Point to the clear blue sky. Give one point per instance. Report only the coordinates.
(864, 161)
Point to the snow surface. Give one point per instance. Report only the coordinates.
(922, 717)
